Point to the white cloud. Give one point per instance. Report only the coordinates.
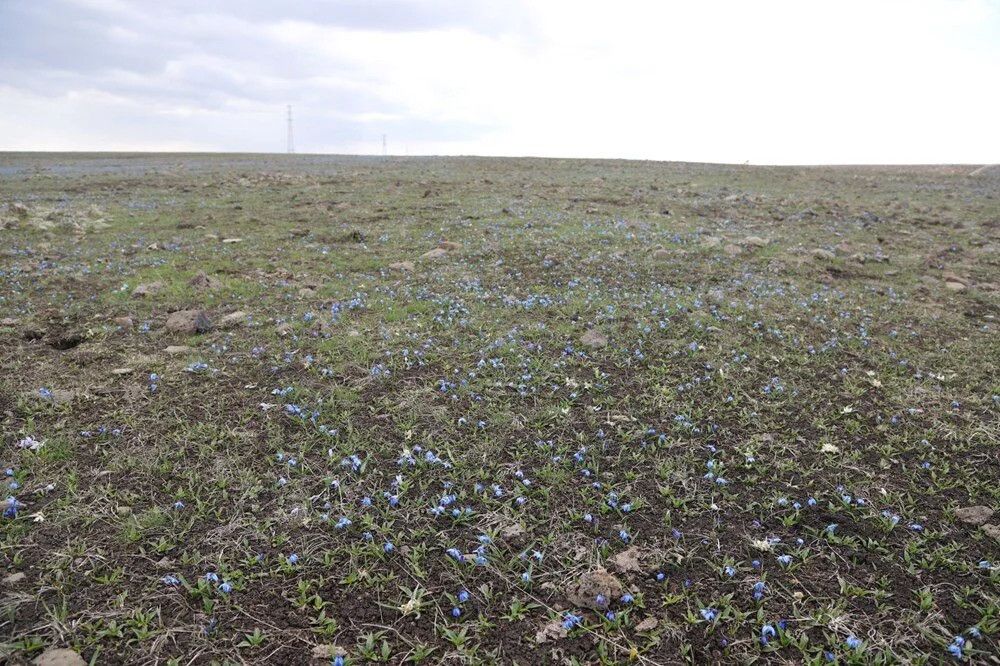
(768, 81)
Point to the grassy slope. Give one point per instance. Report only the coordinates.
(861, 381)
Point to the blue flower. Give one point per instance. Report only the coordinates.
(388, 547)
(178, 505)
(955, 651)
(170, 580)
(226, 587)
(785, 560)
(627, 598)
(454, 553)
(293, 558)
(709, 614)
(766, 632)
(212, 577)
(463, 596)
(570, 621)
(338, 661)
(456, 611)
(853, 642)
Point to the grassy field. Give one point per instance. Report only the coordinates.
(622, 412)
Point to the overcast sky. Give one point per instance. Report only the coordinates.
(802, 81)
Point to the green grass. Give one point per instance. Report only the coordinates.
(848, 405)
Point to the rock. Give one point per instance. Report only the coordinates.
(59, 657)
(436, 253)
(661, 254)
(755, 241)
(306, 292)
(202, 281)
(551, 259)
(211, 237)
(14, 578)
(143, 290)
(19, 209)
(648, 624)
(595, 590)
(628, 561)
(732, 250)
(122, 371)
(283, 330)
(552, 631)
(8, 321)
(955, 286)
(188, 321)
(449, 245)
(402, 266)
(230, 241)
(974, 515)
(711, 241)
(512, 532)
(324, 654)
(948, 276)
(173, 350)
(233, 320)
(820, 253)
(593, 339)
(124, 322)
(992, 531)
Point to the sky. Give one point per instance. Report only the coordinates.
(759, 81)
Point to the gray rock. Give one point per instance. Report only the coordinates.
(402, 266)
(594, 589)
(974, 515)
(233, 320)
(173, 350)
(202, 281)
(436, 253)
(188, 321)
(59, 657)
(820, 253)
(150, 289)
(593, 339)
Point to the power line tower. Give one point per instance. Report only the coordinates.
(291, 144)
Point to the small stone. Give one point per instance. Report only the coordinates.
(436, 253)
(648, 624)
(230, 241)
(512, 532)
(14, 578)
(306, 292)
(202, 281)
(732, 250)
(188, 321)
(402, 266)
(661, 254)
(325, 653)
(122, 371)
(755, 241)
(59, 657)
(820, 253)
(449, 245)
(150, 289)
(711, 241)
(628, 561)
(233, 320)
(283, 330)
(124, 322)
(173, 350)
(974, 515)
(955, 286)
(552, 631)
(551, 259)
(595, 590)
(992, 531)
(593, 339)
(8, 321)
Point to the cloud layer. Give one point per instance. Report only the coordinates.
(769, 82)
